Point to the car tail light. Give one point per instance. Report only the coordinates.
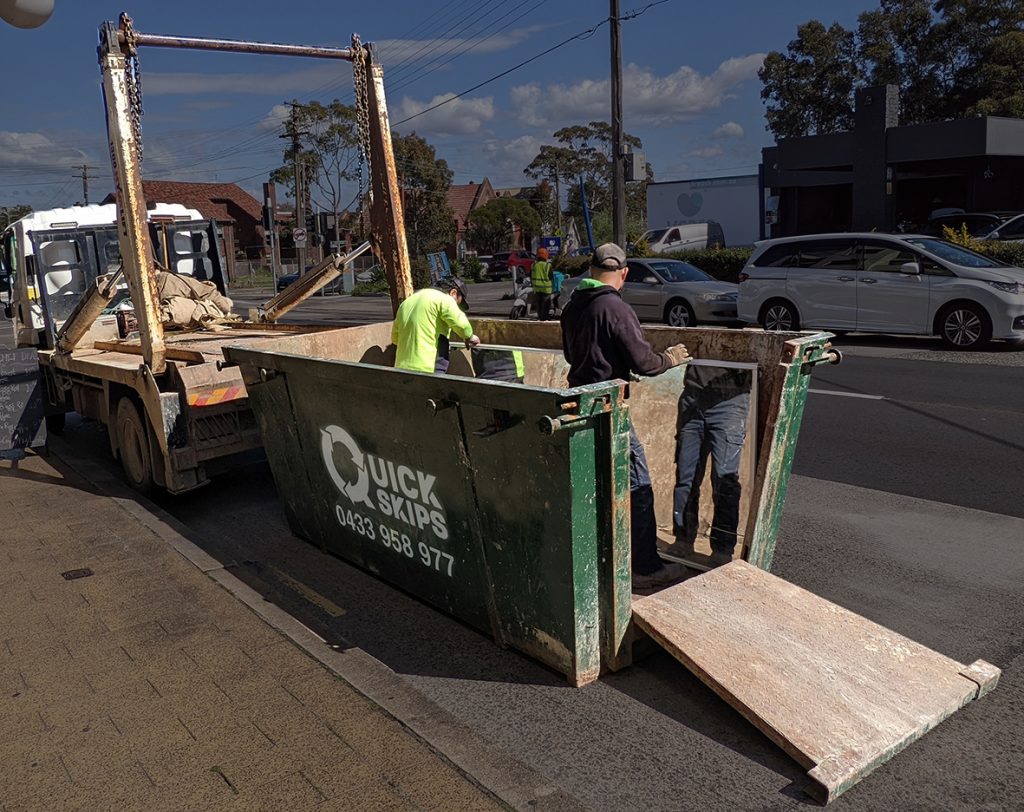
(744, 276)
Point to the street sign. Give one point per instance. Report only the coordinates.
(299, 237)
(553, 244)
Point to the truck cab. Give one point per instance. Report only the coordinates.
(49, 259)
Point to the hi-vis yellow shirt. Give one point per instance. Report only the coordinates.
(421, 318)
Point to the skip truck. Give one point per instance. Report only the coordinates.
(174, 411)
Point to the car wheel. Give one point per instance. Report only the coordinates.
(133, 447)
(779, 315)
(679, 314)
(965, 326)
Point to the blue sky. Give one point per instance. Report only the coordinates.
(690, 77)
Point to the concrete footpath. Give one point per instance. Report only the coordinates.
(133, 676)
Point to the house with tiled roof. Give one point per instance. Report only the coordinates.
(238, 213)
(466, 197)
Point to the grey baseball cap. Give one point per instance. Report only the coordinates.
(608, 257)
(454, 283)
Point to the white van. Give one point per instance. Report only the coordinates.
(684, 237)
(883, 283)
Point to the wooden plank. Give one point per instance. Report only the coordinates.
(837, 692)
(172, 353)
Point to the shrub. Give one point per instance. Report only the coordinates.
(421, 273)
(370, 288)
(472, 269)
(1012, 253)
(571, 266)
(722, 263)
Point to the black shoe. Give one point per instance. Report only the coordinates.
(720, 557)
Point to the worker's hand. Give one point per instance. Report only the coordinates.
(472, 341)
(678, 354)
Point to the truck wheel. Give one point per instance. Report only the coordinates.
(680, 314)
(133, 447)
(965, 326)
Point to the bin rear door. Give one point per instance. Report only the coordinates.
(837, 692)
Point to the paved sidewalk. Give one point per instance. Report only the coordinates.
(146, 685)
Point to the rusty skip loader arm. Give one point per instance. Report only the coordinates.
(118, 58)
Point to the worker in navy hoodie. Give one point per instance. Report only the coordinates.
(602, 340)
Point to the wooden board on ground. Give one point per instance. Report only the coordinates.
(837, 692)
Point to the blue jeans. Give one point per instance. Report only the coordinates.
(643, 529)
(715, 429)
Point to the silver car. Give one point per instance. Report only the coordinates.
(675, 292)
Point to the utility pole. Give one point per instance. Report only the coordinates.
(300, 192)
(618, 167)
(85, 182)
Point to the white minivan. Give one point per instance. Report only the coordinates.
(883, 283)
(684, 237)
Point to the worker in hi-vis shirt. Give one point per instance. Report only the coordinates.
(426, 317)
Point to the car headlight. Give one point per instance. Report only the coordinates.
(719, 297)
(1008, 287)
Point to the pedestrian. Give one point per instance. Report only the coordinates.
(540, 281)
(602, 340)
(425, 320)
(557, 278)
(712, 422)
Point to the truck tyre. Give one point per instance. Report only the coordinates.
(133, 447)
(779, 315)
(680, 314)
(965, 326)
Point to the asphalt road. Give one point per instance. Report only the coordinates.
(902, 508)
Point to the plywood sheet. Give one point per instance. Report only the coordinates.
(836, 691)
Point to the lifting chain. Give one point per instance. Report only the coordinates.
(133, 80)
(362, 111)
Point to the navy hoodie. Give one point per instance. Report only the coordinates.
(602, 339)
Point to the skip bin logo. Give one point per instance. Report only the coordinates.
(401, 492)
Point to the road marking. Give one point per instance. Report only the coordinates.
(845, 394)
(308, 593)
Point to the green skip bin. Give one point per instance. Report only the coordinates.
(506, 505)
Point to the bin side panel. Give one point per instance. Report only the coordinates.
(540, 553)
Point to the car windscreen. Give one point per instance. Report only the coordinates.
(676, 271)
(955, 253)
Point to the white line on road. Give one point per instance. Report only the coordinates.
(845, 394)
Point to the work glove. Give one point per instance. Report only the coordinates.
(472, 341)
(678, 354)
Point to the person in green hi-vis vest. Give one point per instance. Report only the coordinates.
(540, 280)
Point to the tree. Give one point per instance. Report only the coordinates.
(10, 214)
(425, 180)
(585, 152)
(949, 58)
(491, 225)
(809, 89)
(328, 150)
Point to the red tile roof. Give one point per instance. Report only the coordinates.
(463, 199)
(210, 199)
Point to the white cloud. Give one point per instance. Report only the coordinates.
(37, 150)
(276, 116)
(507, 159)
(728, 130)
(707, 152)
(678, 96)
(457, 117)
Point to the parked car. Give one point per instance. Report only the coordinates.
(503, 262)
(334, 286)
(910, 284)
(677, 293)
(684, 237)
(1011, 230)
(978, 224)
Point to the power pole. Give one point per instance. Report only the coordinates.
(85, 182)
(618, 167)
(300, 192)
